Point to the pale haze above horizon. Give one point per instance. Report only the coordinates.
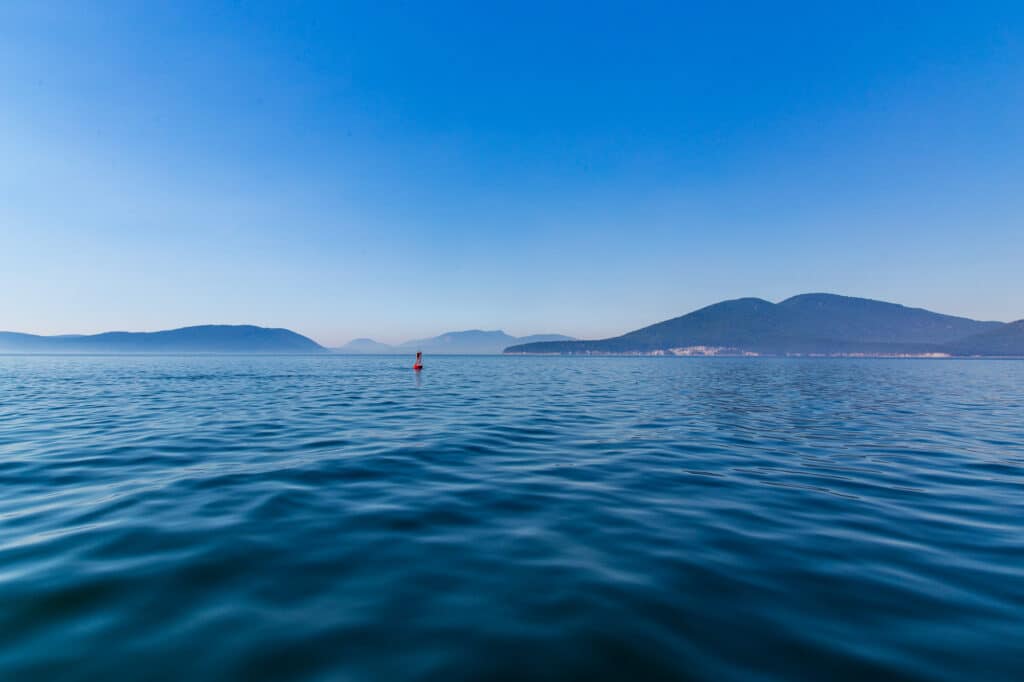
(396, 172)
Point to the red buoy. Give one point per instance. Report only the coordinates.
(418, 365)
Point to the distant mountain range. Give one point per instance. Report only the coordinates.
(809, 324)
(470, 342)
(201, 339)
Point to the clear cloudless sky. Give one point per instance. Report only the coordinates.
(397, 170)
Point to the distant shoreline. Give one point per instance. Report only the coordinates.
(806, 325)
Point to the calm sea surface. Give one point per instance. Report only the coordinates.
(341, 518)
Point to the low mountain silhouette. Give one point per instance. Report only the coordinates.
(469, 342)
(474, 342)
(201, 339)
(804, 324)
(365, 347)
(1007, 340)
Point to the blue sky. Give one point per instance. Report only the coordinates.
(399, 170)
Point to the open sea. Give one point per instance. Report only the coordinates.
(510, 518)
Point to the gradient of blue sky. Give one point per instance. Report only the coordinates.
(398, 170)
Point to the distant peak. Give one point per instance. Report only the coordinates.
(821, 296)
(747, 301)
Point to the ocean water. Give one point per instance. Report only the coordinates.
(342, 518)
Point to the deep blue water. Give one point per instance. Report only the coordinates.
(341, 518)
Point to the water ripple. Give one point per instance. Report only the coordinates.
(549, 518)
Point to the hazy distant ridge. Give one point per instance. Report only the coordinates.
(469, 342)
(1005, 340)
(200, 339)
(807, 324)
